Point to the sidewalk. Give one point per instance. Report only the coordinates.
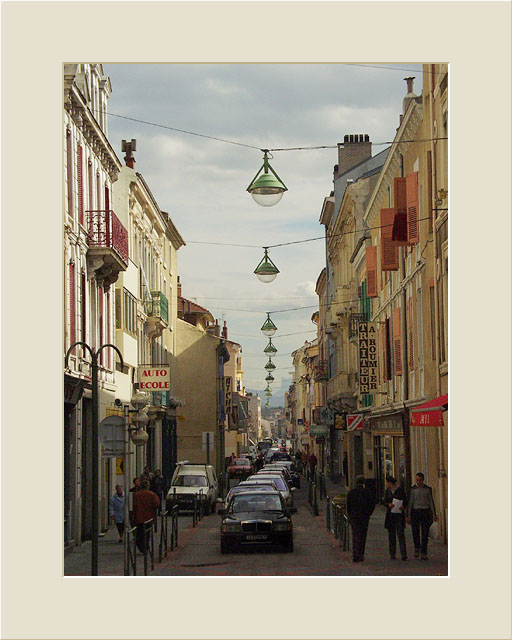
(111, 553)
(377, 561)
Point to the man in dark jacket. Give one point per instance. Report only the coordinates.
(312, 466)
(395, 517)
(360, 506)
(157, 484)
(421, 512)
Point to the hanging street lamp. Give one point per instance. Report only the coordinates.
(270, 366)
(266, 271)
(268, 393)
(267, 403)
(268, 328)
(270, 350)
(270, 378)
(268, 188)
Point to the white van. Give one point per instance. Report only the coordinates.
(191, 480)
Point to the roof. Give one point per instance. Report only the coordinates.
(191, 307)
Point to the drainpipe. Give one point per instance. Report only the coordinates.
(441, 469)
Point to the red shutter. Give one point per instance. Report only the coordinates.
(100, 322)
(389, 252)
(397, 341)
(80, 184)
(410, 330)
(84, 307)
(399, 234)
(413, 230)
(72, 317)
(371, 272)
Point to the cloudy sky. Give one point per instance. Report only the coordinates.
(202, 182)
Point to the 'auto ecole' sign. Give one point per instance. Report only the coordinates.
(154, 377)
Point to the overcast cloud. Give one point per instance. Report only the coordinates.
(202, 183)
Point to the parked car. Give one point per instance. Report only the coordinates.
(249, 486)
(280, 455)
(280, 483)
(286, 464)
(256, 518)
(191, 480)
(240, 468)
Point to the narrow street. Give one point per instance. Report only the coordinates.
(316, 552)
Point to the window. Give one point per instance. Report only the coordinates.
(69, 163)
(80, 164)
(129, 319)
(72, 318)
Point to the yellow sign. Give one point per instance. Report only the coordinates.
(119, 466)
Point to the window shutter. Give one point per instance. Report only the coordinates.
(399, 233)
(397, 341)
(389, 252)
(371, 271)
(119, 293)
(413, 230)
(72, 310)
(80, 184)
(387, 347)
(109, 341)
(410, 330)
(83, 289)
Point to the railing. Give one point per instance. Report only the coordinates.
(163, 546)
(158, 306)
(337, 522)
(148, 544)
(132, 552)
(200, 506)
(106, 230)
(174, 526)
(353, 323)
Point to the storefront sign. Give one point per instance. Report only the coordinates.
(387, 425)
(367, 340)
(320, 440)
(319, 430)
(155, 377)
(340, 422)
(354, 422)
(228, 398)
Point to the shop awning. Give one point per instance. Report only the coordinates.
(429, 414)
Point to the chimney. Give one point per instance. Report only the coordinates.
(129, 148)
(179, 287)
(225, 331)
(410, 94)
(217, 328)
(354, 149)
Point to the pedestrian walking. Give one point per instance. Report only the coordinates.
(146, 475)
(157, 484)
(421, 512)
(116, 510)
(304, 462)
(136, 485)
(232, 459)
(258, 463)
(360, 506)
(145, 504)
(312, 466)
(344, 464)
(396, 503)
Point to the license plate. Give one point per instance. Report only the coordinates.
(256, 537)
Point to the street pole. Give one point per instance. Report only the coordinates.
(95, 467)
(95, 444)
(126, 409)
(207, 447)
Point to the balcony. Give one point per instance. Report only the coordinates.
(107, 254)
(157, 310)
(354, 320)
(321, 371)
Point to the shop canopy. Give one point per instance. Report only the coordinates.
(430, 414)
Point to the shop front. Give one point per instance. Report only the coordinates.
(389, 450)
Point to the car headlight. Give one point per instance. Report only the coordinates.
(230, 527)
(282, 526)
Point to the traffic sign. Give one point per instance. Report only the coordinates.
(354, 422)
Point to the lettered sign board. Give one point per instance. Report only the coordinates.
(156, 377)
(367, 357)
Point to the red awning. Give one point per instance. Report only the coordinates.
(429, 414)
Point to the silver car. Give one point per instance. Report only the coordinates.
(279, 481)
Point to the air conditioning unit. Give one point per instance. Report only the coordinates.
(329, 330)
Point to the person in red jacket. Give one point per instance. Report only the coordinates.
(145, 504)
(312, 466)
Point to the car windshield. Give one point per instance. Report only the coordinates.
(277, 480)
(242, 462)
(255, 502)
(190, 481)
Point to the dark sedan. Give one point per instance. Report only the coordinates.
(256, 518)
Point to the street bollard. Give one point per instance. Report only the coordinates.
(315, 501)
(327, 513)
(194, 511)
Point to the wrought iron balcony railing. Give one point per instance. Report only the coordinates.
(354, 320)
(106, 230)
(158, 306)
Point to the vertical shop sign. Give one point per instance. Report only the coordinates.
(367, 357)
(228, 398)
